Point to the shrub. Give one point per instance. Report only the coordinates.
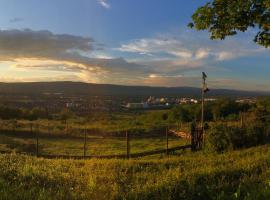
(222, 137)
(218, 138)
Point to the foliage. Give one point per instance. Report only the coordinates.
(17, 113)
(219, 138)
(223, 108)
(228, 108)
(223, 137)
(186, 113)
(225, 17)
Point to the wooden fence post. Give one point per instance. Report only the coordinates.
(128, 145)
(193, 136)
(37, 141)
(241, 120)
(84, 146)
(31, 128)
(167, 141)
(48, 128)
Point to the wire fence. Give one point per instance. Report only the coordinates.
(48, 141)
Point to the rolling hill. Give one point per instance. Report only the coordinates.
(90, 89)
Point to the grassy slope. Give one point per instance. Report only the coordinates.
(236, 175)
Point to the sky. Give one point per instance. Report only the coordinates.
(126, 42)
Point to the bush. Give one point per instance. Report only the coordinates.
(219, 139)
(222, 137)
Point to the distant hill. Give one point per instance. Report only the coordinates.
(79, 88)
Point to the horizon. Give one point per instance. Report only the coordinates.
(194, 87)
(117, 42)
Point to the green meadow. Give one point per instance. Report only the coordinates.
(243, 174)
(94, 145)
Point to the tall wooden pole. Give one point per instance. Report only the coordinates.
(202, 119)
(203, 87)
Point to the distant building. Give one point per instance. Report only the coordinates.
(137, 105)
(188, 101)
(194, 101)
(210, 99)
(247, 100)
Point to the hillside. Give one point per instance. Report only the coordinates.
(235, 175)
(90, 89)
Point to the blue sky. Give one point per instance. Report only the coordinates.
(129, 42)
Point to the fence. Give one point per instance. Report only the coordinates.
(88, 143)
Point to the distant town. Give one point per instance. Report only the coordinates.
(165, 102)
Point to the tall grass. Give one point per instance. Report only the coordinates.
(241, 174)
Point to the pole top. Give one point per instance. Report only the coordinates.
(204, 76)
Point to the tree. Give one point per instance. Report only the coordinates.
(180, 113)
(224, 18)
(66, 114)
(38, 113)
(224, 107)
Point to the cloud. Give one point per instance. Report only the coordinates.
(44, 50)
(40, 44)
(160, 61)
(175, 59)
(16, 19)
(104, 4)
(77, 56)
(40, 78)
(171, 81)
(190, 47)
(152, 46)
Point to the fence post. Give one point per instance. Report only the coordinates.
(193, 136)
(37, 141)
(241, 120)
(84, 146)
(128, 145)
(48, 128)
(31, 128)
(167, 141)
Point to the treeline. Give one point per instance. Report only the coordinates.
(7, 113)
(222, 109)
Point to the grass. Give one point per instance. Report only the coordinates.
(105, 133)
(144, 121)
(95, 145)
(241, 174)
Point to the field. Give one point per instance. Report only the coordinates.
(241, 174)
(105, 134)
(75, 146)
(232, 174)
